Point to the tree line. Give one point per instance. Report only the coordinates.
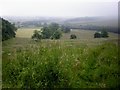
(51, 31)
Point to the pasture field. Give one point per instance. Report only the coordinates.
(81, 63)
(25, 32)
(81, 34)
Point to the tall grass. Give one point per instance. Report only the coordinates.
(58, 65)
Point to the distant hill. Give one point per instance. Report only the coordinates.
(87, 23)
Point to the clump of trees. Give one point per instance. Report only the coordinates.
(101, 34)
(52, 31)
(73, 36)
(8, 29)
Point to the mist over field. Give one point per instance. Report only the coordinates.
(89, 23)
(59, 44)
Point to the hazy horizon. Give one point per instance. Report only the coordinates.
(59, 8)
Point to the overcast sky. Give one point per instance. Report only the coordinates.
(59, 8)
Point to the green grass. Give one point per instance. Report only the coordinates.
(26, 32)
(56, 64)
(81, 63)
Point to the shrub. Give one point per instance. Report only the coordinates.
(104, 33)
(100, 34)
(73, 36)
(97, 35)
(56, 35)
(37, 35)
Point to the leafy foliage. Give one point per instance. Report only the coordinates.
(97, 35)
(8, 30)
(58, 65)
(104, 33)
(37, 35)
(57, 34)
(52, 31)
(46, 32)
(100, 34)
(65, 29)
(73, 36)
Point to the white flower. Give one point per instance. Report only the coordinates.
(9, 54)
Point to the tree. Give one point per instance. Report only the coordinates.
(104, 33)
(8, 30)
(100, 34)
(65, 29)
(46, 32)
(52, 31)
(73, 36)
(57, 34)
(53, 27)
(37, 35)
(97, 35)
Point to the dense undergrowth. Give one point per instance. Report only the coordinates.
(60, 65)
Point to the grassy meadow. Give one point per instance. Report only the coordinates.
(85, 62)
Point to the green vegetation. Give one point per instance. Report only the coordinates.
(73, 36)
(8, 30)
(56, 35)
(104, 33)
(97, 35)
(61, 64)
(37, 35)
(100, 34)
(52, 31)
(65, 29)
(81, 63)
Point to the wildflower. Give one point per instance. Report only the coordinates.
(41, 63)
(60, 62)
(9, 54)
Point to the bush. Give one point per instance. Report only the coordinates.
(104, 33)
(97, 35)
(37, 35)
(100, 34)
(73, 36)
(56, 35)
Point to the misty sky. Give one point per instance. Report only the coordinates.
(59, 8)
